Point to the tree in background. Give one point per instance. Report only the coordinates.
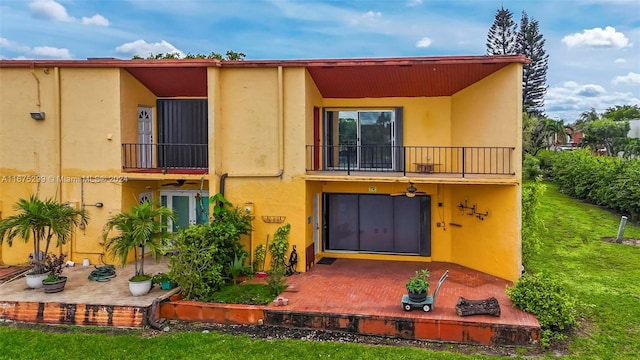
(585, 117)
(530, 43)
(501, 39)
(229, 56)
(606, 134)
(621, 113)
(540, 133)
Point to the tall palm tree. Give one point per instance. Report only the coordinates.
(557, 130)
(144, 225)
(44, 220)
(586, 117)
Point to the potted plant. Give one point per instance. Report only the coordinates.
(164, 280)
(143, 226)
(54, 282)
(418, 285)
(44, 220)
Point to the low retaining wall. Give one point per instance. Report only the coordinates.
(469, 332)
(74, 314)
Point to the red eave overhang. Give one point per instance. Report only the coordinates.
(335, 78)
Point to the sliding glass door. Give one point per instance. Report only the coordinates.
(360, 139)
(378, 223)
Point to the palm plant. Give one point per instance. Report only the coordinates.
(142, 226)
(44, 220)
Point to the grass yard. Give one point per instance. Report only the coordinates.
(18, 344)
(604, 277)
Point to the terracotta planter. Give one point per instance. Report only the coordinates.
(139, 288)
(56, 286)
(35, 281)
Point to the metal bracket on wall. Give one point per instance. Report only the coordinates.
(472, 210)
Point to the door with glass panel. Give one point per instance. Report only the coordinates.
(360, 139)
(190, 207)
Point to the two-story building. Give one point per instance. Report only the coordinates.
(407, 159)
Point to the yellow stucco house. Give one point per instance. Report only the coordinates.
(408, 159)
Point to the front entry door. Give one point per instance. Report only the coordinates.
(145, 137)
(189, 207)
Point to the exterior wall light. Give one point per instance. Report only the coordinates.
(248, 208)
(39, 115)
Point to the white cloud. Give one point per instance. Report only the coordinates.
(424, 42)
(50, 10)
(51, 52)
(590, 90)
(144, 49)
(597, 37)
(570, 99)
(620, 61)
(411, 3)
(96, 19)
(371, 15)
(36, 52)
(630, 78)
(12, 45)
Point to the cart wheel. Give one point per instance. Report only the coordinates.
(426, 308)
(406, 307)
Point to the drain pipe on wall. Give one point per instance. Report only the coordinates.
(151, 321)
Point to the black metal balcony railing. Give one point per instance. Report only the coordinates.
(165, 156)
(460, 160)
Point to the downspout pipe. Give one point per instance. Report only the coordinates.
(151, 315)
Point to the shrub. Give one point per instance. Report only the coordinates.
(531, 222)
(258, 257)
(546, 158)
(607, 181)
(530, 167)
(205, 251)
(545, 298)
(196, 266)
(276, 283)
(278, 248)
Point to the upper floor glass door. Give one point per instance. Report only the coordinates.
(360, 139)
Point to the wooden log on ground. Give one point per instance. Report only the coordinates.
(466, 307)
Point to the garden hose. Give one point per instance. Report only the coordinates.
(103, 273)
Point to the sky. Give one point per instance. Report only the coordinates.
(593, 45)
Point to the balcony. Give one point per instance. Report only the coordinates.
(165, 158)
(456, 160)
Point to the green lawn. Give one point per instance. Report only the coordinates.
(605, 278)
(32, 344)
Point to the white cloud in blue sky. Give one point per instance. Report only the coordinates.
(594, 60)
(597, 37)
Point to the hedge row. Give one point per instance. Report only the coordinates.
(603, 180)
